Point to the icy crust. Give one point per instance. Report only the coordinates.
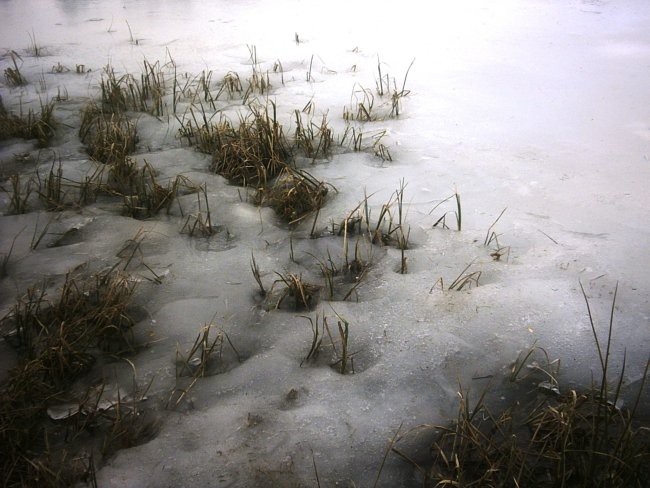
(540, 108)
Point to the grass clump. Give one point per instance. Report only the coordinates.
(58, 341)
(205, 357)
(19, 195)
(343, 280)
(314, 140)
(54, 189)
(303, 295)
(342, 358)
(254, 153)
(109, 137)
(124, 93)
(388, 228)
(250, 154)
(200, 223)
(13, 76)
(145, 197)
(39, 126)
(576, 438)
(294, 195)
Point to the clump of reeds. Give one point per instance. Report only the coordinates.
(39, 126)
(465, 279)
(492, 238)
(52, 190)
(389, 228)
(294, 195)
(248, 153)
(13, 76)
(458, 213)
(253, 153)
(109, 137)
(231, 84)
(581, 438)
(200, 223)
(356, 139)
(342, 280)
(144, 196)
(126, 425)
(314, 140)
(343, 358)
(303, 295)
(18, 195)
(120, 94)
(58, 340)
(205, 357)
(362, 106)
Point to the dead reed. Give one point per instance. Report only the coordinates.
(304, 295)
(109, 137)
(143, 196)
(18, 195)
(389, 228)
(58, 340)
(293, 195)
(253, 153)
(458, 214)
(342, 358)
(13, 76)
(575, 438)
(124, 93)
(41, 126)
(200, 223)
(312, 139)
(205, 357)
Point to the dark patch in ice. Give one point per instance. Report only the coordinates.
(69, 237)
(294, 398)
(221, 240)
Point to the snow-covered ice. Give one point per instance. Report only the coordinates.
(542, 107)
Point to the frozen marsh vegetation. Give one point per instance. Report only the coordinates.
(272, 243)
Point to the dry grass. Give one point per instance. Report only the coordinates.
(250, 153)
(58, 341)
(200, 223)
(124, 93)
(312, 139)
(13, 76)
(342, 358)
(294, 195)
(33, 126)
(109, 137)
(254, 153)
(143, 196)
(388, 228)
(205, 357)
(579, 438)
(303, 295)
(342, 280)
(18, 195)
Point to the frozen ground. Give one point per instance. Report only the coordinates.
(542, 107)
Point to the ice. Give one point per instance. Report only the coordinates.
(538, 108)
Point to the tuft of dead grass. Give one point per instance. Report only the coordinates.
(294, 195)
(255, 152)
(41, 126)
(13, 76)
(109, 137)
(58, 340)
(303, 295)
(577, 438)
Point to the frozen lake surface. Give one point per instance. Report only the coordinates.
(541, 108)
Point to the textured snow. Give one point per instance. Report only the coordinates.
(542, 107)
